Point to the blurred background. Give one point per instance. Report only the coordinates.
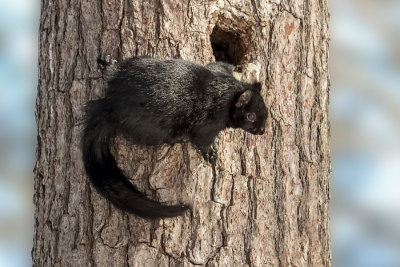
(365, 126)
(364, 113)
(19, 23)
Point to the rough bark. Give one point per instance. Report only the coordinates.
(266, 201)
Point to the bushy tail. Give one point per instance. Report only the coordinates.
(104, 173)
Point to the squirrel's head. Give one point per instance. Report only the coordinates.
(249, 110)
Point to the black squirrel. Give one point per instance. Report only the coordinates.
(154, 102)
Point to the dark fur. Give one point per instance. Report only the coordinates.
(155, 102)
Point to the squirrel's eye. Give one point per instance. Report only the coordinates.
(251, 116)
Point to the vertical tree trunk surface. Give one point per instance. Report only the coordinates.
(265, 203)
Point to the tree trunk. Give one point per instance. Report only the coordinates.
(265, 203)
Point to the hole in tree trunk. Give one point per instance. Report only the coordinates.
(227, 46)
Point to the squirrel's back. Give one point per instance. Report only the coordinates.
(167, 98)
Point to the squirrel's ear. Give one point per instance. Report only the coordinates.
(257, 87)
(244, 99)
